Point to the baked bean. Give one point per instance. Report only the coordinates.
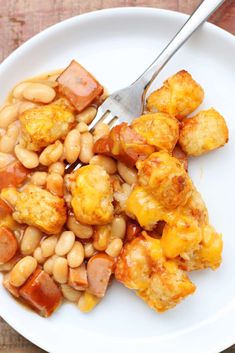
(5, 159)
(82, 127)
(19, 89)
(30, 240)
(8, 141)
(76, 255)
(89, 250)
(87, 302)
(60, 270)
(86, 151)
(38, 92)
(115, 247)
(49, 263)
(55, 183)
(46, 82)
(2, 132)
(101, 130)
(102, 236)
(81, 231)
(87, 115)
(129, 175)
(28, 158)
(8, 115)
(10, 195)
(70, 293)
(39, 178)
(51, 154)
(22, 270)
(26, 106)
(48, 246)
(118, 228)
(57, 167)
(106, 162)
(65, 243)
(72, 146)
(37, 254)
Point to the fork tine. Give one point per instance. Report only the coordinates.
(103, 115)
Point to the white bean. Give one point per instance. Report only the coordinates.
(65, 243)
(118, 228)
(49, 263)
(106, 162)
(55, 183)
(8, 141)
(82, 127)
(5, 159)
(114, 248)
(60, 270)
(39, 178)
(28, 158)
(76, 255)
(19, 89)
(81, 231)
(129, 175)
(37, 254)
(86, 152)
(48, 246)
(87, 115)
(51, 153)
(101, 130)
(8, 115)
(22, 270)
(57, 167)
(70, 293)
(89, 250)
(38, 92)
(30, 240)
(72, 146)
(26, 106)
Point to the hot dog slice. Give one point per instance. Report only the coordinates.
(79, 86)
(78, 277)
(99, 270)
(41, 293)
(8, 245)
(13, 174)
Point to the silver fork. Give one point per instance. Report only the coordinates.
(126, 104)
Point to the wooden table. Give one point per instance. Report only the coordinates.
(21, 19)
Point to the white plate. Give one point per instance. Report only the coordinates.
(116, 45)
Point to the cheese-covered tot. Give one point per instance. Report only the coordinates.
(179, 96)
(182, 235)
(165, 178)
(44, 125)
(39, 208)
(158, 281)
(204, 132)
(159, 130)
(143, 206)
(92, 196)
(207, 254)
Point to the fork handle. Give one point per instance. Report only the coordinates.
(200, 15)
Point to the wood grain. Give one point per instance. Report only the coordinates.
(21, 19)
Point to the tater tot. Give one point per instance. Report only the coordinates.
(204, 132)
(165, 178)
(39, 208)
(179, 96)
(92, 196)
(44, 125)
(159, 130)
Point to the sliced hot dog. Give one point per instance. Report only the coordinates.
(41, 293)
(5, 210)
(79, 86)
(124, 144)
(99, 270)
(8, 245)
(13, 174)
(181, 156)
(78, 277)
